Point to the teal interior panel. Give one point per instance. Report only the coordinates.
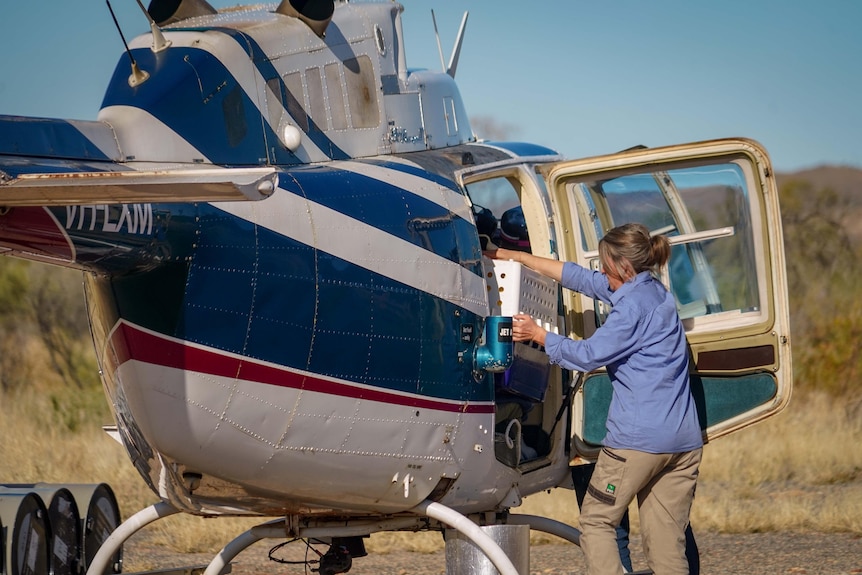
(717, 398)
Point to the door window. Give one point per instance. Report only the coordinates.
(706, 213)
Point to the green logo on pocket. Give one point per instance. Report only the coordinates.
(611, 488)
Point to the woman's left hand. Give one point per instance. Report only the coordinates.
(525, 329)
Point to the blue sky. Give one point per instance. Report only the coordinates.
(582, 77)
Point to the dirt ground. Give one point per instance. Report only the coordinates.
(721, 554)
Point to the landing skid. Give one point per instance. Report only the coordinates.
(281, 528)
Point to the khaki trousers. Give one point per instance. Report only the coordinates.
(664, 486)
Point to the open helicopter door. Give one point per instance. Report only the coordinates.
(717, 202)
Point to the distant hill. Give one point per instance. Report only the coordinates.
(844, 181)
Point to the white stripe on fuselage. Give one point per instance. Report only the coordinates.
(137, 130)
(419, 186)
(371, 248)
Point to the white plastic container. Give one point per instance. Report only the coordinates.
(513, 288)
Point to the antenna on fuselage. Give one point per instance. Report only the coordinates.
(456, 50)
(138, 76)
(437, 36)
(159, 41)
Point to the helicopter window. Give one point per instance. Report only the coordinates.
(591, 227)
(496, 194)
(499, 197)
(315, 98)
(294, 97)
(234, 117)
(336, 96)
(274, 101)
(361, 92)
(706, 212)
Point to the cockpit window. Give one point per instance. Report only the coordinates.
(497, 209)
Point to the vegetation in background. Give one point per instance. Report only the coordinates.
(824, 275)
(46, 353)
(798, 470)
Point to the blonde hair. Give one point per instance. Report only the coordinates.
(629, 249)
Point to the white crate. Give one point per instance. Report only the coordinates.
(513, 288)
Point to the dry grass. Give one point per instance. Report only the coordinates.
(800, 470)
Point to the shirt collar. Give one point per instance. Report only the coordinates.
(639, 279)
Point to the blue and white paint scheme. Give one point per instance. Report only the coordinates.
(279, 228)
(280, 288)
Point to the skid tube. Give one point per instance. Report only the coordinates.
(443, 514)
(279, 528)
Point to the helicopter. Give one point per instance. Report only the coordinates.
(280, 229)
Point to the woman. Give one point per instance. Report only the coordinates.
(653, 445)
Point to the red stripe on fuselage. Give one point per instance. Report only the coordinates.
(34, 230)
(130, 342)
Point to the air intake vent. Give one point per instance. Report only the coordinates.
(165, 12)
(315, 13)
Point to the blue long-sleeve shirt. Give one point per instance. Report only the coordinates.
(642, 344)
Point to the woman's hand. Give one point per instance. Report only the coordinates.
(525, 329)
(502, 254)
